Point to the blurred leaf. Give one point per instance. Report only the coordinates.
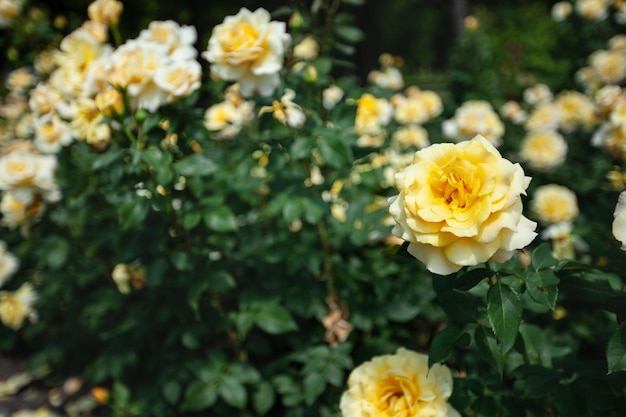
(460, 307)
(171, 391)
(444, 342)
(132, 212)
(350, 33)
(221, 219)
(616, 350)
(199, 395)
(313, 385)
(120, 393)
(105, 159)
(263, 398)
(537, 348)
(504, 309)
(274, 319)
(233, 392)
(401, 311)
(334, 152)
(195, 165)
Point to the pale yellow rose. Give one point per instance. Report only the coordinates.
(17, 306)
(576, 110)
(178, 78)
(248, 48)
(546, 116)
(619, 220)
(543, 150)
(331, 96)
(536, 94)
(609, 66)
(410, 136)
(105, 11)
(9, 9)
(399, 384)
(553, 203)
(51, 134)
(474, 117)
(561, 10)
(597, 10)
(307, 49)
(460, 204)
(511, 110)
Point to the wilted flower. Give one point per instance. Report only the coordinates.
(399, 384)
(248, 48)
(474, 117)
(543, 150)
(460, 204)
(553, 203)
(124, 275)
(17, 306)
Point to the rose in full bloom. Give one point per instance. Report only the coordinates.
(543, 150)
(248, 48)
(400, 384)
(460, 204)
(553, 203)
(105, 11)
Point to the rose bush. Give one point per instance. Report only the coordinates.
(238, 234)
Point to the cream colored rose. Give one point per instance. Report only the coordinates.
(619, 220)
(554, 203)
(105, 11)
(178, 78)
(248, 48)
(460, 204)
(561, 10)
(543, 150)
(609, 66)
(399, 384)
(474, 117)
(331, 96)
(17, 306)
(51, 134)
(546, 116)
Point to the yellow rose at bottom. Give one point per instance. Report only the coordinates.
(460, 204)
(398, 385)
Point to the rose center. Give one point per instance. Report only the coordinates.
(397, 395)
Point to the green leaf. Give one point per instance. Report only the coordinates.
(156, 157)
(488, 347)
(334, 152)
(535, 345)
(444, 342)
(120, 393)
(132, 212)
(171, 391)
(542, 257)
(263, 398)
(350, 33)
(191, 219)
(616, 350)
(233, 392)
(106, 159)
(461, 307)
(538, 381)
(195, 165)
(274, 319)
(199, 395)
(313, 385)
(542, 286)
(504, 309)
(221, 281)
(401, 311)
(221, 219)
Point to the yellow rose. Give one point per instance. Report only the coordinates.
(105, 11)
(554, 203)
(17, 306)
(460, 204)
(398, 385)
(248, 48)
